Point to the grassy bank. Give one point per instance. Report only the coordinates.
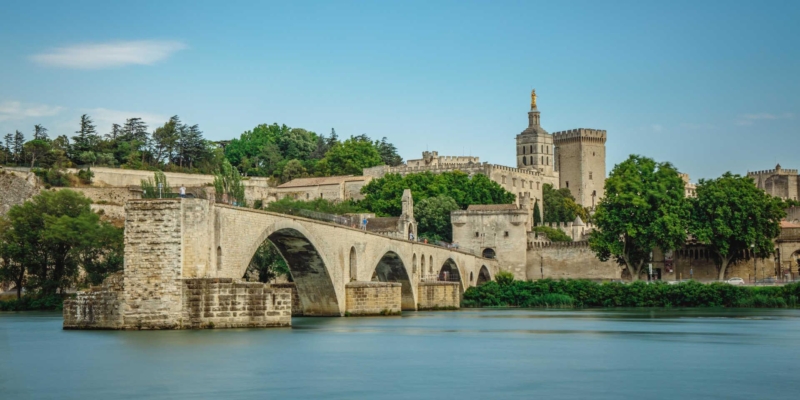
(32, 303)
(583, 293)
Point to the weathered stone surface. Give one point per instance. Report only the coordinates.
(439, 295)
(373, 298)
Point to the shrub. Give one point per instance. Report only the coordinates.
(504, 278)
(507, 292)
(85, 176)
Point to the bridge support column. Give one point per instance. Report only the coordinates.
(373, 298)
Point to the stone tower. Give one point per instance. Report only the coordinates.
(580, 160)
(534, 144)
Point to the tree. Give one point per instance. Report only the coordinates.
(9, 140)
(228, 183)
(388, 153)
(293, 170)
(560, 205)
(644, 208)
(12, 255)
(433, 216)
(39, 132)
(350, 157)
(36, 148)
(19, 146)
(268, 263)
(383, 196)
(730, 214)
(537, 216)
(45, 237)
(165, 139)
(156, 188)
(555, 235)
(116, 132)
(86, 139)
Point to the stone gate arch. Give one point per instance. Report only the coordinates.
(310, 269)
(451, 273)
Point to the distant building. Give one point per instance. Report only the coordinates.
(689, 188)
(778, 182)
(335, 188)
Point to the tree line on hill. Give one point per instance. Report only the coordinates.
(275, 151)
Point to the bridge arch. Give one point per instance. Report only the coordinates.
(451, 273)
(390, 267)
(310, 269)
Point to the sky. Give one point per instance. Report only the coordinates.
(711, 86)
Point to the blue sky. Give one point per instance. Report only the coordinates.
(710, 86)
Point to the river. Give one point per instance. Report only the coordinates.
(468, 354)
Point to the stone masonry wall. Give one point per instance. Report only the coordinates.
(438, 295)
(573, 260)
(97, 308)
(373, 298)
(153, 267)
(297, 307)
(223, 303)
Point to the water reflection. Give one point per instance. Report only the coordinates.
(569, 354)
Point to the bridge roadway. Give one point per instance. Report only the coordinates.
(220, 240)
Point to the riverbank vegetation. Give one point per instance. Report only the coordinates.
(584, 293)
(54, 243)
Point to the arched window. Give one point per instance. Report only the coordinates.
(353, 265)
(531, 160)
(431, 264)
(219, 258)
(523, 150)
(488, 253)
(422, 265)
(542, 162)
(524, 161)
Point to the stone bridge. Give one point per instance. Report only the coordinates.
(177, 239)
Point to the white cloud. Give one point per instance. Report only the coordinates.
(749, 119)
(109, 55)
(15, 110)
(104, 118)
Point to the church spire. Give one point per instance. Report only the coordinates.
(533, 114)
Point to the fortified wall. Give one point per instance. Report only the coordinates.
(778, 182)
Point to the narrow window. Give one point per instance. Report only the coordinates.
(477, 234)
(567, 183)
(514, 182)
(523, 150)
(506, 234)
(524, 161)
(590, 175)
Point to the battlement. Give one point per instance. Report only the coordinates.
(481, 168)
(775, 171)
(580, 134)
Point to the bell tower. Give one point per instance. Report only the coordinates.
(534, 144)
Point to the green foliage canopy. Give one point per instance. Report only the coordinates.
(644, 207)
(383, 196)
(729, 214)
(433, 218)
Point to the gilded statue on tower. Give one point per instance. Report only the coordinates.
(533, 98)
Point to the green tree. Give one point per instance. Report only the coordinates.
(644, 207)
(555, 235)
(46, 237)
(433, 216)
(39, 132)
(383, 196)
(388, 153)
(350, 157)
(228, 184)
(293, 170)
(268, 263)
(537, 216)
(560, 205)
(36, 149)
(86, 139)
(730, 214)
(156, 188)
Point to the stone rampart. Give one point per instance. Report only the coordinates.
(224, 303)
(373, 298)
(439, 295)
(110, 195)
(97, 308)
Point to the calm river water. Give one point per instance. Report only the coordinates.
(489, 354)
